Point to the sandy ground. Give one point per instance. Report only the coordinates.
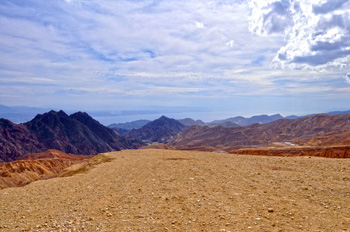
(165, 190)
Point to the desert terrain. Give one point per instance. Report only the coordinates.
(169, 190)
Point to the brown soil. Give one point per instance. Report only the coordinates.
(167, 190)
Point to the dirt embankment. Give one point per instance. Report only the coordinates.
(169, 190)
(328, 152)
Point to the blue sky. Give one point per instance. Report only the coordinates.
(232, 56)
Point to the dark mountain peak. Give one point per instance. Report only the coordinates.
(163, 117)
(159, 130)
(50, 116)
(82, 116)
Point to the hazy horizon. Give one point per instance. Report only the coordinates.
(229, 58)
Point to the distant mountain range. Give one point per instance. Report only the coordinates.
(312, 130)
(77, 134)
(242, 121)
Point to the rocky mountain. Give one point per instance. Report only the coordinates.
(160, 130)
(77, 134)
(128, 126)
(301, 131)
(242, 121)
(16, 140)
(191, 122)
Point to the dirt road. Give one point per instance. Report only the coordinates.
(165, 190)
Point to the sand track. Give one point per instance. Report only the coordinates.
(166, 190)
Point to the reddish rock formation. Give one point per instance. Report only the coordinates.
(36, 166)
(328, 152)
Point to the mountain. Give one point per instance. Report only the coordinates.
(16, 140)
(191, 122)
(242, 121)
(302, 131)
(130, 125)
(159, 130)
(77, 134)
(115, 141)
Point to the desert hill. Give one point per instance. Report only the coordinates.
(160, 130)
(32, 167)
(159, 190)
(300, 131)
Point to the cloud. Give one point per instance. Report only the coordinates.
(199, 25)
(347, 77)
(317, 33)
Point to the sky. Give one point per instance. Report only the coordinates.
(203, 59)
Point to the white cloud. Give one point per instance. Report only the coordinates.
(317, 33)
(199, 25)
(230, 43)
(347, 77)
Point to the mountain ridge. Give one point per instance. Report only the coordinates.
(301, 130)
(78, 134)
